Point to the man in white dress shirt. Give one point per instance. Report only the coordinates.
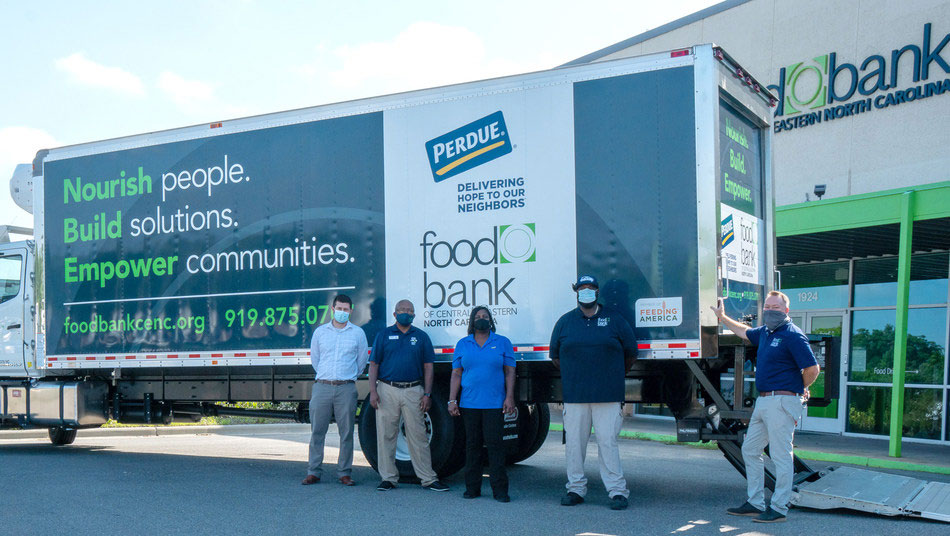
(338, 352)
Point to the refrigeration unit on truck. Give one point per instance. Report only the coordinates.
(174, 271)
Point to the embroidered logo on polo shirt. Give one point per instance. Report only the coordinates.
(412, 341)
(775, 342)
(602, 322)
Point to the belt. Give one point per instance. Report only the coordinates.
(402, 385)
(774, 393)
(335, 382)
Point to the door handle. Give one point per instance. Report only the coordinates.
(13, 326)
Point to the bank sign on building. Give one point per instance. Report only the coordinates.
(861, 159)
(826, 88)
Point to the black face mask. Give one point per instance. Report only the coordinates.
(481, 324)
(774, 319)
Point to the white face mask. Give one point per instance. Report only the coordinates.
(586, 296)
(341, 316)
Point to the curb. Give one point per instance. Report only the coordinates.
(155, 431)
(863, 461)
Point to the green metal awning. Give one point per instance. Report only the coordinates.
(862, 226)
(931, 201)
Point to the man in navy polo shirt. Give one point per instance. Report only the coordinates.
(593, 347)
(785, 367)
(402, 364)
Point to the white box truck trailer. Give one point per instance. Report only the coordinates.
(174, 270)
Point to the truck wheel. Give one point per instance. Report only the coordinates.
(446, 440)
(62, 436)
(532, 431)
(544, 426)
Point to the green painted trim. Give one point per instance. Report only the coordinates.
(879, 463)
(649, 436)
(863, 461)
(900, 327)
(864, 210)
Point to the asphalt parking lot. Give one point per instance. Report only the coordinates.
(250, 484)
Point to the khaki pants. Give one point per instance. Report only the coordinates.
(393, 404)
(607, 422)
(339, 402)
(773, 423)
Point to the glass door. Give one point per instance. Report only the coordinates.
(829, 418)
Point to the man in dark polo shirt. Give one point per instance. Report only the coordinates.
(785, 367)
(402, 364)
(593, 347)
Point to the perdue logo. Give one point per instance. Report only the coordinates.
(474, 144)
(727, 231)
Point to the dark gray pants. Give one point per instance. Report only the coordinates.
(338, 402)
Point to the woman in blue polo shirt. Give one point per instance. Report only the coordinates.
(483, 365)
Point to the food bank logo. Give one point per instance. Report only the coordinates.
(806, 85)
(470, 270)
(472, 145)
(826, 80)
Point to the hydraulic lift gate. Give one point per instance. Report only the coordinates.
(877, 493)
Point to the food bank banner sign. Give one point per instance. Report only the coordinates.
(828, 87)
(479, 211)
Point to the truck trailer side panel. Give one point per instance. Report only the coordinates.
(193, 248)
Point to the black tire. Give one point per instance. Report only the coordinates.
(446, 443)
(544, 426)
(535, 421)
(60, 436)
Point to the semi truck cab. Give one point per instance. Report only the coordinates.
(17, 345)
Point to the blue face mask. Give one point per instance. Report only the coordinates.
(586, 296)
(404, 319)
(341, 316)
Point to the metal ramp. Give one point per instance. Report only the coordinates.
(877, 493)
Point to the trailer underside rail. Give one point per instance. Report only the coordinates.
(877, 493)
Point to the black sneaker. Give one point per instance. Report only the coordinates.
(385, 485)
(618, 502)
(769, 516)
(437, 486)
(571, 499)
(472, 494)
(502, 497)
(745, 510)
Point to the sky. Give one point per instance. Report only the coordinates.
(81, 71)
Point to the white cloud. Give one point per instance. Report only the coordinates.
(89, 73)
(425, 54)
(18, 145)
(198, 99)
(184, 91)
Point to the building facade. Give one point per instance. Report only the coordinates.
(861, 163)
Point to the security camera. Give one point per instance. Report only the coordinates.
(819, 190)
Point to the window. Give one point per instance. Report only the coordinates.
(872, 346)
(816, 286)
(875, 281)
(869, 411)
(10, 277)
